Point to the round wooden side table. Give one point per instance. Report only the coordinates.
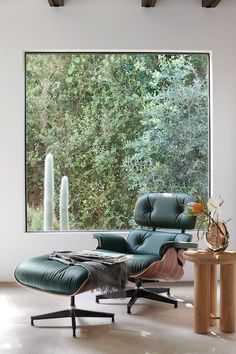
(205, 289)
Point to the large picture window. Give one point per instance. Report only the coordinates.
(104, 128)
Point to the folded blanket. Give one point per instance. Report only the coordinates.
(107, 278)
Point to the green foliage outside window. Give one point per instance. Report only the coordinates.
(118, 125)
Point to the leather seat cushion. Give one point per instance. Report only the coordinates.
(51, 276)
(140, 262)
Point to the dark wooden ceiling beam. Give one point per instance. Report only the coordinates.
(210, 3)
(148, 3)
(145, 3)
(56, 3)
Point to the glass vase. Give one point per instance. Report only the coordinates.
(217, 237)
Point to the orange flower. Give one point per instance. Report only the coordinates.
(196, 208)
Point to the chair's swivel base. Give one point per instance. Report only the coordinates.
(72, 312)
(139, 292)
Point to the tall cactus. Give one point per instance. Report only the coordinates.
(64, 200)
(48, 193)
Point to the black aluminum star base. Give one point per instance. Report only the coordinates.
(72, 312)
(139, 292)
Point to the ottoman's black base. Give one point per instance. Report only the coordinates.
(72, 312)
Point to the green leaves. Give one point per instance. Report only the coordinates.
(174, 144)
(117, 125)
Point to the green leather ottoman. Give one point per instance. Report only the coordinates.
(41, 273)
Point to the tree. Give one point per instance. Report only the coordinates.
(172, 153)
(114, 124)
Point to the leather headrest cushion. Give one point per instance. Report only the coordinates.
(164, 210)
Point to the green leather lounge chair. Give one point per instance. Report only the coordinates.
(156, 246)
(156, 255)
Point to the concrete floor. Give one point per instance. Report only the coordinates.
(152, 328)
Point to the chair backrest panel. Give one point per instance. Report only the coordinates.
(141, 241)
(164, 210)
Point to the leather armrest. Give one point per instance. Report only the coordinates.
(185, 245)
(178, 245)
(111, 242)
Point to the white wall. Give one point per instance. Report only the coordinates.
(106, 25)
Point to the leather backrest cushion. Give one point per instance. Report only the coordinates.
(165, 210)
(141, 241)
